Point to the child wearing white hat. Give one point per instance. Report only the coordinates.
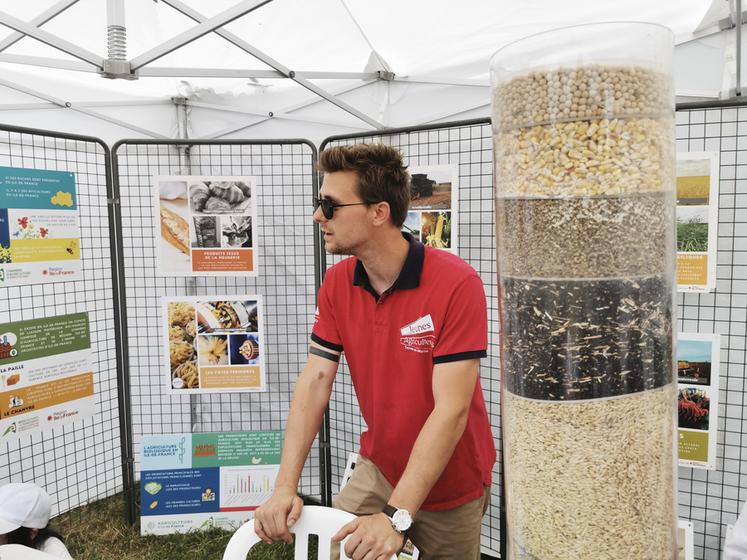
(24, 513)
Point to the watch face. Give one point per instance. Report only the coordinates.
(401, 520)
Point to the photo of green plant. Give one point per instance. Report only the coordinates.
(692, 229)
(692, 236)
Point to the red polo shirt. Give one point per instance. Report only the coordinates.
(434, 313)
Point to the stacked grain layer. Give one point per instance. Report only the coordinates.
(584, 163)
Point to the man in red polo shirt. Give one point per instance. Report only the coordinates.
(412, 322)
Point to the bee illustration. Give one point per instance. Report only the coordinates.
(71, 248)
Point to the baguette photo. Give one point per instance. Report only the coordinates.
(175, 230)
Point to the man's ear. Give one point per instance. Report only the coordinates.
(382, 213)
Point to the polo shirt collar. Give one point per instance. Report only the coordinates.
(409, 276)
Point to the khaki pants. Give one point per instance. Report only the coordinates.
(439, 535)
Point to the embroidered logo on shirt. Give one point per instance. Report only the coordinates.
(316, 315)
(419, 336)
(419, 326)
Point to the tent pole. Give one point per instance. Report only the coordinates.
(268, 114)
(181, 7)
(38, 21)
(72, 65)
(206, 26)
(50, 39)
(116, 64)
(384, 65)
(116, 30)
(283, 114)
(184, 72)
(68, 105)
(182, 123)
(738, 23)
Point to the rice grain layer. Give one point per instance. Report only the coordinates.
(591, 480)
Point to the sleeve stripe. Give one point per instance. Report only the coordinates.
(460, 356)
(331, 345)
(323, 354)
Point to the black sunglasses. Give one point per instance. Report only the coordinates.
(328, 207)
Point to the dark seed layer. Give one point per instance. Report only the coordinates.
(570, 340)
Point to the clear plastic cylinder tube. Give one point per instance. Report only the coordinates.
(583, 136)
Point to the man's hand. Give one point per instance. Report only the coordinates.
(277, 515)
(373, 538)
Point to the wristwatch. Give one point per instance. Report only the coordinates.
(400, 518)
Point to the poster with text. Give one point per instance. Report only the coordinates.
(214, 344)
(697, 221)
(39, 232)
(46, 374)
(206, 226)
(432, 216)
(697, 400)
(199, 481)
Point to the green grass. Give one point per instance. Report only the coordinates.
(99, 531)
(692, 236)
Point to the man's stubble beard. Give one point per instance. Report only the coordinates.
(341, 250)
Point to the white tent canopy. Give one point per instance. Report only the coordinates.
(299, 68)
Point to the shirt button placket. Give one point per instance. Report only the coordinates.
(379, 314)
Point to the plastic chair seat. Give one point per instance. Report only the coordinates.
(314, 520)
(20, 552)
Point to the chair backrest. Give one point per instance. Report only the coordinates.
(314, 520)
(20, 552)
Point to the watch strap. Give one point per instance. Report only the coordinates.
(389, 510)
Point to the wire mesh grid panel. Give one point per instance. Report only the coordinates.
(468, 147)
(711, 499)
(79, 462)
(283, 240)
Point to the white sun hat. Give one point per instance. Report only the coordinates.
(23, 505)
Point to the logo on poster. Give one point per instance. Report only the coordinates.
(61, 415)
(205, 450)
(15, 406)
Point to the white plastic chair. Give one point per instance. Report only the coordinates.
(314, 520)
(20, 552)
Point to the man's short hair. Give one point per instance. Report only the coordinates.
(382, 176)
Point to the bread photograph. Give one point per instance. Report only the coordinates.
(172, 227)
(203, 225)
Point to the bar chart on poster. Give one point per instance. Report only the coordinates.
(246, 487)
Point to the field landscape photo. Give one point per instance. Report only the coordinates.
(693, 182)
(694, 361)
(431, 188)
